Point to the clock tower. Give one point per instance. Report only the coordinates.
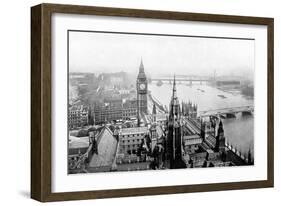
(141, 91)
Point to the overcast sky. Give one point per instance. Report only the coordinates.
(110, 52)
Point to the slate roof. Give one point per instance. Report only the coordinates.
(106, 149)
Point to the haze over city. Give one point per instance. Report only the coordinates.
(110, 52)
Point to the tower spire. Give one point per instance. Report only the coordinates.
(174, 104)
(154, 113)
(174, 88)
(220, 139)
(220, 127)
(249, 156)
(174, 139)
(154, 109)
(141, 68)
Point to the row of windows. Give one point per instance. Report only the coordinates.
(132, 135)
(109, 116)
(130, 146)
(77, 121)
(134, 140)
(129, 110)
(129, 114)
(78, 112)
(191, 147)
(78, 118)
(108, 113)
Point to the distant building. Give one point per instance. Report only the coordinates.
(114, 109)
(129, 109)
(116, 80)
(228, 83)
(78, 116)
(107, 111)
(124, 91)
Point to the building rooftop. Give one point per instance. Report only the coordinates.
(133, 130)
(161, 116)
(77, 107)
(159, 131)
(192, 140)
(106, 149)
(188, 137)
(78, 142)
(210, 151)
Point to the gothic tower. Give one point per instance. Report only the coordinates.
(154, 114)
(203, 129)
(220, 139)
(153, 124)
(141, 92)
(174, 137)
(250, 160)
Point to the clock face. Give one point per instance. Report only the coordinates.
(142, 86)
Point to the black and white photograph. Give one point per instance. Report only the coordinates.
(139, 101)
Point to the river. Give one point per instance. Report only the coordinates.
(238, 131)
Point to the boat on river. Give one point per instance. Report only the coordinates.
(222, 96)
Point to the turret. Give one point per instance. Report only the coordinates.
(203, 128)
(154, 114)
(174, 104)
(93, 139)
(141, 71)
(220, 139)
(250, 162)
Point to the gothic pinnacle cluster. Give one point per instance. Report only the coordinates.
(189, 109)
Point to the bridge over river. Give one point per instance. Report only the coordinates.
(228, 112)
(194, 78)
(182, 79)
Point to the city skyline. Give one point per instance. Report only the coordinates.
(184, 55)
(120, 122)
